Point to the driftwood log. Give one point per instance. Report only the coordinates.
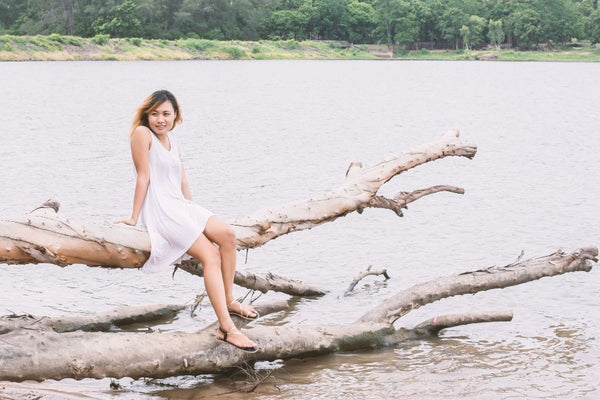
(43, 353)
(39, 348)
(44, 236)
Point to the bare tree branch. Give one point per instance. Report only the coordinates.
(262, 283)
(401, 199)
(363, 275)
(46, 354)
(121, 316)
(484, 279)
(434, 325)
(355, 194)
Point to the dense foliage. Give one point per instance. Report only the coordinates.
(417, 23)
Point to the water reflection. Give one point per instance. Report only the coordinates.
(474, 367)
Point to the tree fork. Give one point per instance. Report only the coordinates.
(44, 236)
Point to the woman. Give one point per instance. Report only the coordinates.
(178, 227)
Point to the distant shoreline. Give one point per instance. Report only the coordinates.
(102, 48)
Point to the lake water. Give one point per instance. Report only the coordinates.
(265, 133)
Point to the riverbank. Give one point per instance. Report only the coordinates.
(70, 48)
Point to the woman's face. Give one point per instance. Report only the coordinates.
(162, 118)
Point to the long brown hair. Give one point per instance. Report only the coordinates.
(150, 104)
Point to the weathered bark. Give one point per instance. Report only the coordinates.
(359, 191)
(472, 282)
(45, 237)
(262, 283)
(46, 354)
(434, 325)
(363, 275)
(98, 322)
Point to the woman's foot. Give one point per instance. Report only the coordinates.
(245, 311)
(236, 338)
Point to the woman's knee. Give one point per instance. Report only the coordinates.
(211, 259)
(220, 233)
(228, 238)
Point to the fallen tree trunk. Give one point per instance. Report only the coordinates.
(45, 354)
(44, 236)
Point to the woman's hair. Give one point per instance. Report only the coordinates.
(150, 104)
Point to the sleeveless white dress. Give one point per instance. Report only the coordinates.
(173, 222)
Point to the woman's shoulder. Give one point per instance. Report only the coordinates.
(141, 136)
(141, 133)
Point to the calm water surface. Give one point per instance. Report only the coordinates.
(265, 133)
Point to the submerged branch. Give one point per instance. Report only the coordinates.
(476, 281)
(363, 275)
(434, 325)
(106, 321)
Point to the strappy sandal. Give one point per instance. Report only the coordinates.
(243, 313)
(235, 331)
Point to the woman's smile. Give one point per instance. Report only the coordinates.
(162, 118)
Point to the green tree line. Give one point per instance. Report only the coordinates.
(431, 23)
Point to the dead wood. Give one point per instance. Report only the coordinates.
(364, 274)
(106, 321)
(44, 236)
(46, 354)
(434, 325)
(262, 283)
(484, 279)
(359, 191)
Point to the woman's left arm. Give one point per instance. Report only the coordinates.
(185, 187)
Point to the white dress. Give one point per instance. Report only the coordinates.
(173, 222)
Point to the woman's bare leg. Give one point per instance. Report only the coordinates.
(206, 252)
(223, 235)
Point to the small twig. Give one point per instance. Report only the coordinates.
(364, 274)
(253, 377)
(197, 301)
(15, 315)
(256, 381)
(250, 293)
(254, 298)
(253, 380)
(495, 268)
(519, 258)
(50, 203)
(115, 385)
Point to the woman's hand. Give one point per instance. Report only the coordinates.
(128, 221)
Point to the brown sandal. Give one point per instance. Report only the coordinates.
(235, 331)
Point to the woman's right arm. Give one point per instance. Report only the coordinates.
(140, 147)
